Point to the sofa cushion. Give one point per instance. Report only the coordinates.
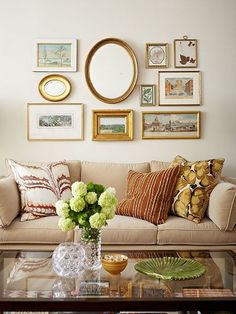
(157, 165)
(196, 181)
(222, 206)
(41, 186)
(9, 201)
(149, 195)
(110, 174)
(38, 231)
(177, 230)
(127, 230)
(74, 170)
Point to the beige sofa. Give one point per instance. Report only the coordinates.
(216, 229)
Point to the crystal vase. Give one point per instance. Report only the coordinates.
(91, 242)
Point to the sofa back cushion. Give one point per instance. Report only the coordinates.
(222, 206)
(149, 195)
(157, 165)
(74, 170)
(9, 201)
(40, 187)
(111, 174)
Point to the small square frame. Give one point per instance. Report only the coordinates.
(185, 53)
(147, 95)
(55, 55)
(108, 131)
(55, 122)
(157, 55)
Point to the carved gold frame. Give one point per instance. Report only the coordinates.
(109, 136)
(166, 65)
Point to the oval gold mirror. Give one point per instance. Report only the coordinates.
(111, 70)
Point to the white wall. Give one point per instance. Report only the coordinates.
(212, 22)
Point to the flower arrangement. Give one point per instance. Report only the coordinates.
(90, 207)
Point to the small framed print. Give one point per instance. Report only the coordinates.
(157, 55)
(52, 55)
(54, 87)
(112, 125)
(185, 53)
(147, 95)
(55, 122)
(179, 88)
(171, 125)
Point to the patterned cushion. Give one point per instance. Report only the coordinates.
(40, 187)
(149, 195)
(194, 185)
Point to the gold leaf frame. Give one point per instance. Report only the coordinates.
(126, 136)
(166, 65)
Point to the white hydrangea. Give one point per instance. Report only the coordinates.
(77, 204)
(109, 212)
(97, 220)
(79, 189)
(62, 208)
(66, 224)
(91, 197)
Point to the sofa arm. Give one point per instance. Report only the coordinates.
(222, 206)
(9, 201)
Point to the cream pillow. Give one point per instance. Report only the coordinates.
(222, 206)
(9, 201)
(40, 187)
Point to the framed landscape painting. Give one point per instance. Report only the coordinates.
(179, 88)
(112, 125)
(52, 55)
(147, 95)
(171, 125)
(185, 53)
(157, 55)
(55, 122)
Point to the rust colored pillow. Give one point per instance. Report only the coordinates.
(149, 195)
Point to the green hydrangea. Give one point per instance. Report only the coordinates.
(66, 224)
(79, 189)
(109, 212)
(77, 204)
(62, 209)
(91, 197)
(108, 199)
(97, 221)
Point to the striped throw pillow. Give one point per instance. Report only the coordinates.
(40, 187)
(149, 195)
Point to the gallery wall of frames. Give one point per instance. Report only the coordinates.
(56, 119)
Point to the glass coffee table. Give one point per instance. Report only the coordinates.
(28, 283)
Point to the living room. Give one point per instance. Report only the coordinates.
(170, 97)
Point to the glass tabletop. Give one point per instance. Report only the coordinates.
(28, 278)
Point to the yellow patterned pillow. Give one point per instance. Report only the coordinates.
(194, 185)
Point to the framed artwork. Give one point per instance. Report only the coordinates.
(112, 125)
(54, 87)
(52, 55)
(55, 122)
(179, 88)
(185, 53)
(171, 125)
(147, 95)
(157, 55)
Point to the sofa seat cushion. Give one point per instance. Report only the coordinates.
(126, 230)
(39, 231)
(111, 174)
(182, 231)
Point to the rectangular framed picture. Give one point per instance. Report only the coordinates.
(157, 55)
(185, 53)
(179, 88)
(112, 125)
(55, 122)
(147, 95)
(171, 125)
(52, 55)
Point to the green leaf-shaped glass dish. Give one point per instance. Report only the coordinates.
(171, 268)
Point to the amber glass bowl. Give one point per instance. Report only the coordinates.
(114, 263)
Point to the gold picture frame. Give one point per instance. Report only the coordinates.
(55, 122)
(112, 125)
(157, 55)
(185, 53)
(179, 88)
(147, 95)
(54, 87)
(171, 125)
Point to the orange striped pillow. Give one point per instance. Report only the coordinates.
(149, 195)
